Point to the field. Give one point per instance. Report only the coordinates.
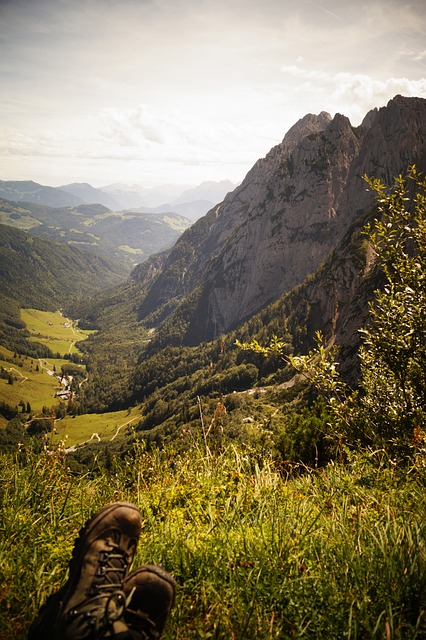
(32, 381)
(336, 553)
(35, 382)
(93, 426)
(53, 330)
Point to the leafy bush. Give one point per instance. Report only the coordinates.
(388, 411)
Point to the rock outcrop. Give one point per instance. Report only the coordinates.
(282, 222)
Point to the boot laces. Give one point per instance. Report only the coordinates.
(106, 600)
(143, 623)
(111, 570)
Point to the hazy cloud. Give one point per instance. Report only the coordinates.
(355, 94)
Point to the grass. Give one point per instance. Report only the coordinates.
(34, 379)
(36, 387)
(39, 387)
(52, 329)
(337, 553)
(93, 426)
(35, 383)
(24, 222)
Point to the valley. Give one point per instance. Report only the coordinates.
(36, 379)
(58, 333)
(36, 383)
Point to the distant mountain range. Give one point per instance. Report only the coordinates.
(29, 191)
(189, 202)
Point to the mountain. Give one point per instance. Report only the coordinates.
(125, 236)
(283, 253)
(208, 191)
(129, 196)
(196, 202)
(89, 195)
(190, 202)
(29, 191)
(192, 210)
(157, 196)
(281, 223)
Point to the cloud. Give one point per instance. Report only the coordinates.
(368, 92)
(185, 137)
(133, 127)
(353, 94)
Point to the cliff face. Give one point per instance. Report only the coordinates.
(281, 223)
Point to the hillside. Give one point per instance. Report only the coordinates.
(45, 275)
(29, 191)
(90, 195)
(126, 237)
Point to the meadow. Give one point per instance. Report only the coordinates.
(32, 382)
(76, 430)
(333, 553)
(54, 330)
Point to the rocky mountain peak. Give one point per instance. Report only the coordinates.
(309, 124)
(281, 223)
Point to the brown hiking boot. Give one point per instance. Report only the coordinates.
(150, 594)
(91, 603)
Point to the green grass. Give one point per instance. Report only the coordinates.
(337, 553)
(39, 387)
(52, 329)
(36, 387)
(94, 426)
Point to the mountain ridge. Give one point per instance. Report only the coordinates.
(282, 222)
(124, 236)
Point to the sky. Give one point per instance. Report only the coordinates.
(153, 92)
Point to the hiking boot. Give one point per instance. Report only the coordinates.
(91, 603)
(150, 595)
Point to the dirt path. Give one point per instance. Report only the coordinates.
(19, 374)
(123, 425)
